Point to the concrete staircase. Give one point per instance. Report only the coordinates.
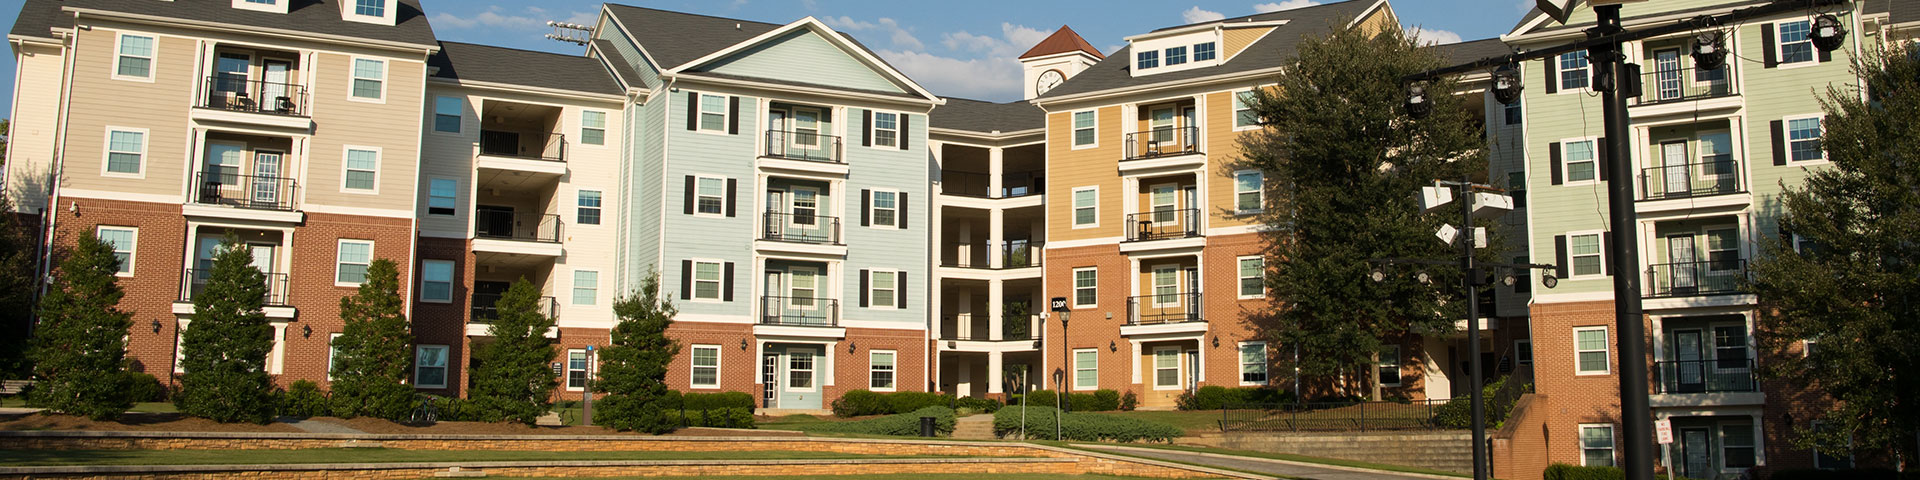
(977, 427)
(1441, 450)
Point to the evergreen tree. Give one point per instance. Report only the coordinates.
(17, 286)
(79, 349)
(513, 381)
(225, 346)
(1852, 287)
(1343, 161)
(633, 371)
(374, 350)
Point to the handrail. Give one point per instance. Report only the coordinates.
(1011, 329)
(1717, 175)
(801, 228)
(484, 306)
(1161, 142)
(1692, 279)
(1163, 224)
(1685, 84)
(799, 311)
(1706, 376)
(256, 192)
(193, 280)
(804, 146)
(530, 227)
(975, 184)
(552, 146)
(1165, 308)
(1021, 253)
(236, 93)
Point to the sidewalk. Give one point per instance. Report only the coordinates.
(1282, 468)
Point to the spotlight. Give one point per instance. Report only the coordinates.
(1509, 280)
(1710, 50)
(1506, 84)
(1417, 104)
(1423, 277)
(1828, 33)
(1378, 276)
(306, 331)
(156, 326)
(1112, 347)
(1549, 280)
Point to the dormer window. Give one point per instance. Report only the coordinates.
(274, 6)
(364, 11)
(1176, 56)
(1149, 59)
(1203, 51)
(370, 8)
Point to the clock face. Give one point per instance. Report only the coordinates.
(1048, 80)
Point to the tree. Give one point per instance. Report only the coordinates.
(79, 349)
(512, 381)
(1852, 285)
(1342, 162)
(374, 350)
(633, 371)
(225, 346)
(17, 286)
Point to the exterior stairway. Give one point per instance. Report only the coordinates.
(977, 427)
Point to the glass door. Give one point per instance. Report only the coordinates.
(266, 178)
(276, 89)
(1688, 353)
(769, 380)
(1668, 77)
(1682, 266)
(1673, 158)
(777, 142)
(1697, 452)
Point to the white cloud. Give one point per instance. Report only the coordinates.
(1196, 15)
(993, 79)
(495, 18)
(1424, 36)
(1283, 5)
(900, 36)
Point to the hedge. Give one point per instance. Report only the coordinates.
(1099, 401)
(724, 417)
(861, 403)
(676, 400)
(903, 424)
(1085, 427)
(980, 405)
(142, 387)
(1458, 412)
(1561, 471)
(1844, 474)
(1215, 397)
(303, 400)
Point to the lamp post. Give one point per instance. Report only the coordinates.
(586, 392)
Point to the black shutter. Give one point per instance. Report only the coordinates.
(1827, 55)
(1779, 130)
(1560, 256)
(1769, 48)
(689, 195)
(733, 187)
(900, 211)
(905, 126)
(686, 279)
(866, 128)
(726, 283)
(866, 199)
(863, 288)
(1553, 73)
(900, 288)
(733, 115)
(1553, 152)
(1600, 159)
(1606, 245)
(693, 111)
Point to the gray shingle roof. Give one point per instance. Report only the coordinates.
(317, 16)
(1272, 50)
(483, 63)
(675, 38)
(1904, 11)
(986, 117)
(1463, 52)
(622, 71)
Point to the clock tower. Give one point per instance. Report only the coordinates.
(1056, 59)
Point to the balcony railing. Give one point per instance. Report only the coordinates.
(1011, 329)
(976, 184)
(1165, 308)
(799, 311)
(1715, 175)
(1021, 254)
(964, 255)
(485, 307)
(800, 228)
(229, 92)
(551, 147)
(525, 227)
(257, 192)
(1013, 254)
(804, 146)
(194, 281)
(1694, 279)
(1706, 376)
(1164, 224)
(1685, 84)
(1161, 142)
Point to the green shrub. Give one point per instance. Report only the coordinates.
(454, 409)
(902, 424)
(1458, 412)
(1036, 398)
(1214, 397)
(142, 387)
(1561, 471)
(1106, 400)
(302, 400)
(725, 417)
(982, 405)
(717, 400)
(1128, 401)
(1844, 474)
(1086, 427)
(903, 402)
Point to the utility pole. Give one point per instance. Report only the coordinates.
(1470, 278)
(1617, 79)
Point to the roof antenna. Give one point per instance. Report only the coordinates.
(570, 32)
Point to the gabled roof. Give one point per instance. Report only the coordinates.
(509, 66)
(988, 117)
(1463, 52)
(1537, 21)
(38, 17)
(1064, 40)
(675, 38)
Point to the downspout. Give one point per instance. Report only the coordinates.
(58, 166)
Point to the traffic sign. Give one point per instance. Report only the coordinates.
(1663, 428)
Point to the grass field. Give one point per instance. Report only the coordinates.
(1281, 456)
(19, 458)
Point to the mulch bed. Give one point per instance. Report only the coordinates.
(374, 425)
(133, 422)
(174, 422)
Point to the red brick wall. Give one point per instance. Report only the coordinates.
(314, 249)
(740, 369)
(445, 323)
(1577, 399)
(157, 266)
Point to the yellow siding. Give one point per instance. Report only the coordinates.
(1380, 20)
(160, 107)
(1237, 39)
(31, 139)
(1223, 158)
(1069, 169)
(393, 126)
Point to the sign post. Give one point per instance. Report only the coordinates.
(1059, 304)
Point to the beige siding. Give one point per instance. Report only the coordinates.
(34, 125)
(1237, 39)
(160, 107)
(393, 126)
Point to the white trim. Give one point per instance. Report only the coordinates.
(1613, 449)
(353, 64)
(337, 263)
(1559, 76)
(1073, 129)
(332, 353)
(893, 367)
(1179, 381)
(566, 369)
(1599, 236)
(378, 153)
(132, 250)
(813, 368)
(1605, 349)
(423, 281)
(873, 207)
(445, 367)
(344, 210)
(697, 178)
(893, 296)
(1399, 363)
(693, 366)
(1076, 386)
(1235, 112)
(603, 128)
(1261, 191)
(1238, 289)
(153, 58)
(1074, 287)
(276, 361)
(106, 152)
(573, 287)
(271, 6)
(720, 282)
(1073, 207)
(1566, 173)
(700, 113)
(600, 212)
(1780, 46)
(1786, 139)
(430, 197)
(1266, 367)
(873, 130)
(821, 29)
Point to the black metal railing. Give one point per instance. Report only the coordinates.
(964, 255)
(194, 281)
(800, 228)
(528, 227)
(257, 192)
(1163, 224)
(1161, 142)
(1331, 416)
(806, 146)
(1164, 308)
(1715, 175)
(1706, 376)
(975, 184)
(1685, 84)
(1692, 279)
(1021, 253)
(1021, 184)
(799, 311)
(977, 328)
(485, 307)
(551, 147)
(236, 93)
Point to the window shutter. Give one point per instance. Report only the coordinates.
(733, 187)
(689, 195)
(900, 210)
(1827, 55)
(866, 202)
(1770, 49)
(733, 115)
(826, 116)
(1553, 73)
(693, 111)
(726, 283)
(864, 292)
(686, 279)
(1606, 245)
(1560, 256)
(900, 288)
(1600, 158)
(866, 128)
(906, 125)
(1553, 152)
(1779, 130)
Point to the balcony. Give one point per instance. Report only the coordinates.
(519, 227)
(1716, 175)
(551, 147)
(1013, 254)
(1164, 309)
(799, 311)
(801, 228)
(1165, 224)
(804, 146)
(238, 94)
(484, 307)
(252, 192)
(1696, 279)
(978, 185)
(1676, 84)
(1162, 142)
(1706, 376)
(194, 281)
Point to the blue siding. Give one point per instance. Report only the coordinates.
(888, 248)
(720, 238)
(647, 157)
(803, 56)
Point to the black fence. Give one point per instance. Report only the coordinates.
(1693, 279)
(1164, 308)
(1164, 224)
(799, 311)
(485, 307)
(236, 93)
(194, 281)
(1161, 142)
(977, 328)
(1021, 253)
(806, 146)
(975, 184)
(1706, 376)
(800, 228)
(256, 192)
(551, 147)
(1685, 84)
(1331, 416)
(1715, 175)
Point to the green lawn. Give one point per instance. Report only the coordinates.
(921, 476)
(370, 455)
(1280, 456)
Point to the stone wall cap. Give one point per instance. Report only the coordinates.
(286, 467)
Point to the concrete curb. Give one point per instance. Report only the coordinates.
(81, 469)
(1270, 460)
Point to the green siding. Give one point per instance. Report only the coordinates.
(803, 56)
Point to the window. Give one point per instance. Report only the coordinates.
(1523, 351)
(125, 151)
(1826, 461)
(806, 204)
(880, 374)
(1581, 164)
(1085, 129)
(1086, 207)
(430, 366)
(436, 281)
(885, 210)
(333, 354)
(800, 371)
(1176, 56)
(122, 240)
(362, 170)
(588, 210)
(135, 58)
(1586, 255)
(1517, 188)
(1796, 42)
(447, 112)
(1730, 347)
(442, 195)
(1148, 59)
(886, 129)
(1596, 445)
(1166, 286)
(1736, 445)
(351, 262)
(710, 196)
(1086, 369)
(1389, 366)
(1243, 114)
(713, 113)
(1253, 280)
(1248, 191)
(1253, 363)
(369, 78)
(586, 287)
(576, 369)
(1590, 351)
(884, 288)
(370, 8)
(706, 280)
(706, 366)
(1803, 140)
(1573, 71)
(1513, 113)
(1085, 287)
(1166, 368)
(593, 127)
(1203, 52)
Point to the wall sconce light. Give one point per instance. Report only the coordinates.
(851, 347)
(1216, 341)
(156, 326)
(306, 331)
(73, 208)
(1112, 347)
(743, 344)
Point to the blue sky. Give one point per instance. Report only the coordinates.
(953, 48)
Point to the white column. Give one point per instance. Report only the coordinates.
(963, 380)
(996, 292)
(994, 168)
(963, 251)
(963, 314)
(996, 235)
(994, 372)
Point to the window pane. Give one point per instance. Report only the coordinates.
(123, 162)
(1591, 340)
(1083, 120)
(1203, 52)
(713, 112)
(371, 8)
(125, 141)
(435, 271)
(136, 45)
(362, 159)
(1584, 244)
(1593, 361)
(359, 180)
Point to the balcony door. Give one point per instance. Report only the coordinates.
(275, 89)
(1682, 264)
(1689, 362)
(777, 141)
(266, 177)
(1669, 75)
(1674, 161)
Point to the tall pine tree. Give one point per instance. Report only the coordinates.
(633, 370)
(17, 286)
(79, 348)
(225, 346)
(513, 381)
(374, 350)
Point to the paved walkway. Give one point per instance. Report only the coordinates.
(1283, 468)
(313, 426)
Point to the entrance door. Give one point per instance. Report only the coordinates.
(770, 380)
(1689, 362)
(1667, 80)
(275, 90)
(1697, 453)
(1192, 368)
(266, 179)
(493, 221)
(1683, 266)
(1673, 160)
